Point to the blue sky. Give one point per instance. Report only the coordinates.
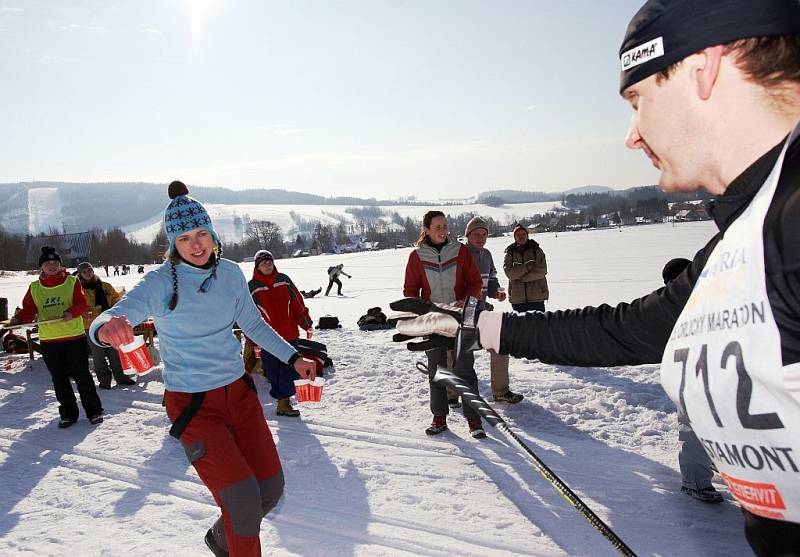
(433, 98)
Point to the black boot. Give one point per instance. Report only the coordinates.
(212, 545)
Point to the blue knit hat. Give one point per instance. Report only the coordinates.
(184, 214)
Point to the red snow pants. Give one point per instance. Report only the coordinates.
(230, 445)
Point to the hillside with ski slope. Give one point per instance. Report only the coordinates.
(362, 477)
(228, 219)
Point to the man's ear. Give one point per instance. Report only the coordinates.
(708, 70)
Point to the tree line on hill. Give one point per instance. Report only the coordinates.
(86, 206)
(370, 228)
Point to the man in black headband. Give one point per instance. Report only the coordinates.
(715, 91)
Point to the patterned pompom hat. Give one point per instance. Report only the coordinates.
(184, 214)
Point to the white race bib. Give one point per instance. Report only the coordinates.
(723, 365)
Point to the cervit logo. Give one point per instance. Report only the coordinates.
(642, 53)
(762, 499)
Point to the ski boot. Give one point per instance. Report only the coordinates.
(285, 408)
(509, 397)
(211, 543)
(438, 425)
(476, 429)
(706, 494)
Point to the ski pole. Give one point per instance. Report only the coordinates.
(469, 396)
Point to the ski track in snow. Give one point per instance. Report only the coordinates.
(362, 477)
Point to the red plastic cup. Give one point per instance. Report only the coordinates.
(302, 390)
(138, 355)
(316, 389)
(127, 365)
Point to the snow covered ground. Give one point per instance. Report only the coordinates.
(362, 477)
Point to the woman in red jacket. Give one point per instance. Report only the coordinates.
(281, 305)
(444, 271)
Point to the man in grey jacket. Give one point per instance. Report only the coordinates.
(477, 232)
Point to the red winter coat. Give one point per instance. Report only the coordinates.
(445, 276)
(280, 303)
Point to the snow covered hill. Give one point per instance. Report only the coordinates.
(226, 217)
(362, 477)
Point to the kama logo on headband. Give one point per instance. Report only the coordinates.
(642, 53)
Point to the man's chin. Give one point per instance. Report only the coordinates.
(671, 185)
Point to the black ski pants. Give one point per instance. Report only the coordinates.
(67, 359)
(330, 284)
(465, 370)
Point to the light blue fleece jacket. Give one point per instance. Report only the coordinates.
(196, 340)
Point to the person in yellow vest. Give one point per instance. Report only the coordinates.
(58, 301)
(99, 297)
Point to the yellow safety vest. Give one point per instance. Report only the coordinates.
(52, 303)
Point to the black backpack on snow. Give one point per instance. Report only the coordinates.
(328, 322)
(373, 320)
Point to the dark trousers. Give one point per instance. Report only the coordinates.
(231, 447)
(106, 362)
(67, 360)
(465, 370)
(528, 306)
(330, 284)
(771, 538)
(280, 375)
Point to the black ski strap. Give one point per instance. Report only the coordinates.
(182, 421)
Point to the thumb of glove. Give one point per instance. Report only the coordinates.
(429, 324)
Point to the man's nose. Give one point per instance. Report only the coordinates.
(632, 138)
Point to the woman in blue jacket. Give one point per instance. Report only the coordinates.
(195, 298)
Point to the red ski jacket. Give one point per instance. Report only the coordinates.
(280, 303)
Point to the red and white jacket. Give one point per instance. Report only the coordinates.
(280, 303)
(444, 275)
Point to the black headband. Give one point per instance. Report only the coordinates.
(666, 31)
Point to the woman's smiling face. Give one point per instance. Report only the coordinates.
(195, 246)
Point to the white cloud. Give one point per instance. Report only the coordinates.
(287, 131)
(90, 27)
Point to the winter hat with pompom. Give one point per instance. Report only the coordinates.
(49, 253)
(184, 214)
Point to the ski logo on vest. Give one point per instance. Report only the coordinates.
(642, 53)
(51, 301)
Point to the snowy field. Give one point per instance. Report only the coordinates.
(224, 216)
(362, 477)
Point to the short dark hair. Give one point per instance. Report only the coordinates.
(767, 61)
